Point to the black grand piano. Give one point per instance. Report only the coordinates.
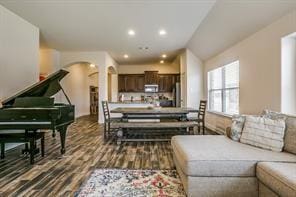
(34, 109)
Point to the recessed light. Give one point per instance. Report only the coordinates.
(163, 55)
(162, 32)
(125, 56)
(161, 61)
(92, 65)
(131, 32)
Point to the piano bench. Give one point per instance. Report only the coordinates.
(23, 137)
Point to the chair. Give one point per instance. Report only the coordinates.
(201, 116)
(108, 129)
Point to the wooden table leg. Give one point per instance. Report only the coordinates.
(119, 136)
(32, 150)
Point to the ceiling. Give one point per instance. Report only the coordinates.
(207, 27)
(230, 21)
(91, 25)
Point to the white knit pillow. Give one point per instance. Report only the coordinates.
(264, 133)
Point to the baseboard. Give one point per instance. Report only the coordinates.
(215, 129)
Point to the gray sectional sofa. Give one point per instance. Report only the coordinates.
(218, 166)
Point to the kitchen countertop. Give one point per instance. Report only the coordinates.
(131, 102)
(137, 102)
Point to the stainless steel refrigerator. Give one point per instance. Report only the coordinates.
(177, 95)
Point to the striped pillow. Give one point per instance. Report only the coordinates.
(264, 133)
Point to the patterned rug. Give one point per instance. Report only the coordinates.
(132, 183)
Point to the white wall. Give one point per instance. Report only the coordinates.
(19, 53)
(76, 85)
(194, 80)
(260, 69)
(183, 78)
(139, 69)
(19, 45)
(113, 70)
(288, 75)
(191, 69)
(102, 60)
(49, 61)
(94, 79)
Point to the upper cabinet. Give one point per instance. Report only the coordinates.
(131, 83)
(151, 77)
(121, 83)
(166, 82)
(136, 82)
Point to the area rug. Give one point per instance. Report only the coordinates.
(132, 183)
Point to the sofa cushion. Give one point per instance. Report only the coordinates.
(212, 155)
(218, 186)
(290, 133)
(264, 133)
(279, 177)
(265, 191)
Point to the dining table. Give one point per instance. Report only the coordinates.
(151, 119)
(154, 112)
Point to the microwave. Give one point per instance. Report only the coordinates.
(151, 88)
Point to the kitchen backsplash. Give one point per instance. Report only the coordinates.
(137, 96)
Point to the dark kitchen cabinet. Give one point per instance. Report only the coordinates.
(166, 82)
(121, 83)
(166, 103)
(151, 77)
(131, 83)
(136, 82)
(140, 80)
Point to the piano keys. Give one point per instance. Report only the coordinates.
(34, 108)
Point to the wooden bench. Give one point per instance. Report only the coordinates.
(23, 137)
(123, 126)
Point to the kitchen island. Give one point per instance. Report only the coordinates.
(124, 104)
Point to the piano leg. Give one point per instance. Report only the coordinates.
(42, 145)
(63, 130)
(2, 150)
(53, 133)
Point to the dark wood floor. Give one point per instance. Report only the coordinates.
(54, 175)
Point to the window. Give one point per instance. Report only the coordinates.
(223, 89)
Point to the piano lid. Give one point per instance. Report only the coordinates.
(45, 88)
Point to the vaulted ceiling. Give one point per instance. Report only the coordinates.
(230, 21)
(90, 25)
(207, 27)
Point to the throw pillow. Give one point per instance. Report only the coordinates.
(273, 114)
(264, 132)
(290, 133)
(237, 126)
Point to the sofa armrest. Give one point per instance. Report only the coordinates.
(228, 132)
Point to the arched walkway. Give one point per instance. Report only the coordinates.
(77, 86)
(103, 62)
